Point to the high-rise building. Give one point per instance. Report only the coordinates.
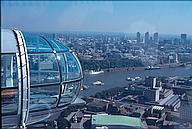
(151, 40)
(150, 81)
(156, 38)
(151, 94)
(183, 38)
(176, 41)
(138, 37)
(146, 37)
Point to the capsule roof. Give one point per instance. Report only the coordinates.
(35, 43)
(38, 43)
(8, 41)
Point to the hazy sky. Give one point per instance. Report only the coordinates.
(123, 16)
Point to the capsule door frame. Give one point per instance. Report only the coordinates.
(24, 79)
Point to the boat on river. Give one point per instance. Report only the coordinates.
(84, 87)
(152, 68)
(93, 72)
(98, 83)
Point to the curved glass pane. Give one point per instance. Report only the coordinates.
(58, 46)
(43, 69)
(62, 62)
(10, 99)
(54, 45)
(35, 43)
(61, 46)
(44, 97)
(73, 68)
(69, 92)
(9, 73)
(9, 79)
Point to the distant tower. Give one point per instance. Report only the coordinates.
(156, 38)
(146, 37)
(54, 36)
(151, 40)
(138, 37)
(183, 38)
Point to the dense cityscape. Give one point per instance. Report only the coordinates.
(102, 50)
(153, 101)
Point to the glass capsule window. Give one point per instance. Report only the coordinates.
(43, 69)
(54, 72)
(46, 76)
(37, 74)
(68, 92)
(9, 74)
(9, 84)
(72, 67)
(54, 75)
(36, 44)
(59, 47)
(62, 63)
(44, 97)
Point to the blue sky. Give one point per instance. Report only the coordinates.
(102, 16)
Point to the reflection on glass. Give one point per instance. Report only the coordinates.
(62, 62)
(69, 92)
(9, 99)
(72, 66)
(44, 97)
(9, 75)
(35, 43)
(9, 79)
(43, 68)
(58, 46)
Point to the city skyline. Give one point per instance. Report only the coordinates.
(167, 17)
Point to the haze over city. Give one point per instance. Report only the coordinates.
(96, 64)
(171, 17)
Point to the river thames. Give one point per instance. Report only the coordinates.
(118, 78)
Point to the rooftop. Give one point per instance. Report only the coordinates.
(103, 119)
(158, 107)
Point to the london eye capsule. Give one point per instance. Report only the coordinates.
(39, 77)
